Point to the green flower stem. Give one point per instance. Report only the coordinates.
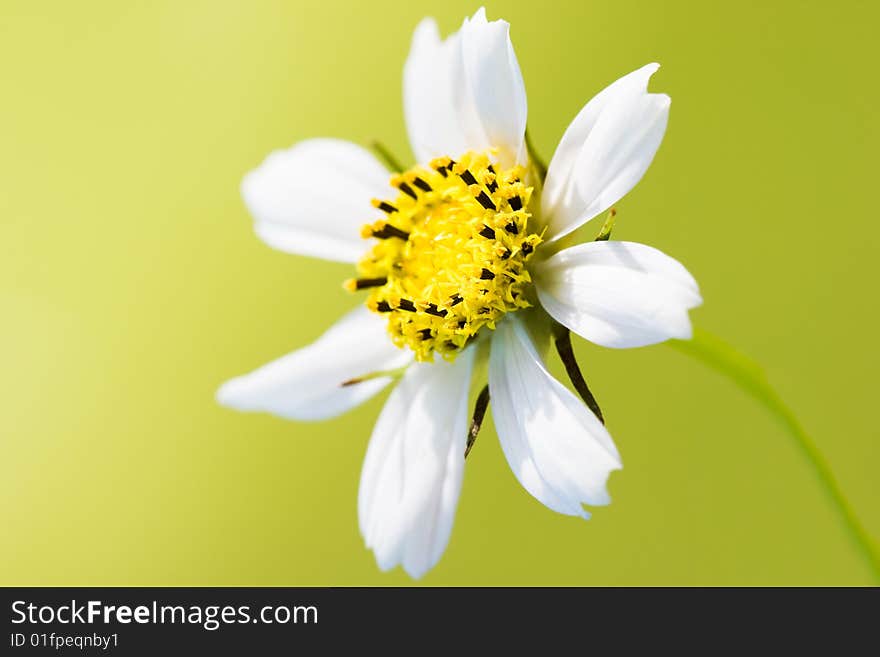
(749, 376)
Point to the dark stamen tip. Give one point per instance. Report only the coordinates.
(386, 207)
(407, 305)
(433, 310)
(515, 203)
(388, 231)
(406, 189)
(488, 233)
(363, 283)
(486, 202)
(468, 177)
(421, 184)
(486, 275)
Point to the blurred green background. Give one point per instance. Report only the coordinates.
(132, 286)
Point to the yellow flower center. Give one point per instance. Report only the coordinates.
(452, 253)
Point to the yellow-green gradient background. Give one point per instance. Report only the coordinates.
(132, 285)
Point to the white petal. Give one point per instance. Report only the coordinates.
(313, 198)
(604, 152)
(464, 93)
(414, 466)
(431, 118)
(558, 450)
(494, 80)
(618, 294)
(306, 384)
(559, 173)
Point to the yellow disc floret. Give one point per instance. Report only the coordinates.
(452, 253)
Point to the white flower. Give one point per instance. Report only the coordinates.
(470, 265)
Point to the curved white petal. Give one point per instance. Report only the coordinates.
(464, 93)
(306, 384)
(431, 118)
(558, 450)
(494, 79)
(414, 466)
(313, 198)
(559, 173)
(618, 294)
(604, 152)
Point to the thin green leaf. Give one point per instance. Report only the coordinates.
(748, 375)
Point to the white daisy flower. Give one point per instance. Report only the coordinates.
(468, 263)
